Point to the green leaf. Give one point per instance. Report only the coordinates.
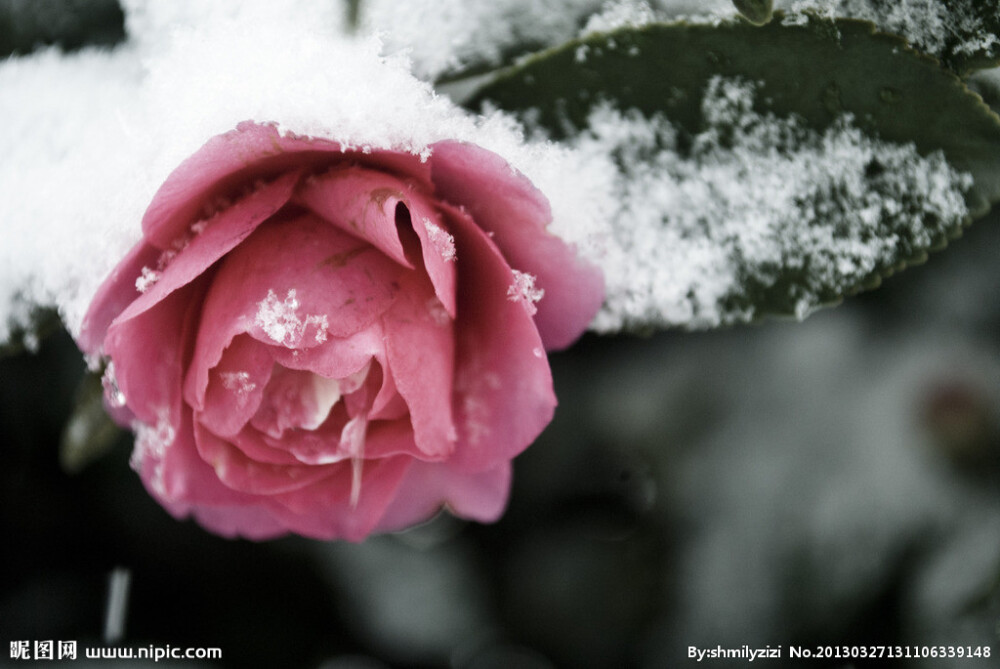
(829, 78)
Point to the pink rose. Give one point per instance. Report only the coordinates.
(335, 342)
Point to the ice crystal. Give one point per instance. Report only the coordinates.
(524, 290)
(238, 382)
(441, 240)
(280, 321)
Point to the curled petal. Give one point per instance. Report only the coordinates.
(503, 386)
(236, 386)
(505, 204)
(243, 474)
(114, 295)
(151, 350)
(420, 350)
(379, 208)
(252, 151)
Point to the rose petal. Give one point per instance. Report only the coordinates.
(340, 519)
(236, 386)
(251, 151)
(421, 353)
(255, 447)
(222, 234)
(336, 358)
(503, 385)
(116, 293)
(373, 206)
(429, 486)
(295, 400)
(234, 469)
(291, 283)
(149, 352)
(174, 472)
(503, 202)
(250, 522)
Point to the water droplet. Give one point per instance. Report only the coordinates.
(112, 392)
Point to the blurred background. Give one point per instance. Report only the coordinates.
(831, 482)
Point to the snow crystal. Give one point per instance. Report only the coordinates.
(238, 382)
(146, 280)
(281, 322)
(442, 241)
(523, 290)
(697, 233)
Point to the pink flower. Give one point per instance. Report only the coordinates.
(333, 342)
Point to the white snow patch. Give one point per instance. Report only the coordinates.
(280, 321)
(441, 240)
(620, 14)
(523, 290)
(238, 382)
(146, 280)
(755, 196)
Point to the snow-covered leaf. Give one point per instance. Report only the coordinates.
(762, 170)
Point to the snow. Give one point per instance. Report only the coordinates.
(280, 320)
(239, 383)
(523, 290)
(620, 14)
(443, 242)
(756, 197)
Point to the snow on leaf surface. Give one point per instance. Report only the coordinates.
(762, 216)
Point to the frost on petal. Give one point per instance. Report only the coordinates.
(239, 383)
(152, 441)
(146, 279)
(442, 242)
(279, 319)
(523, 290)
